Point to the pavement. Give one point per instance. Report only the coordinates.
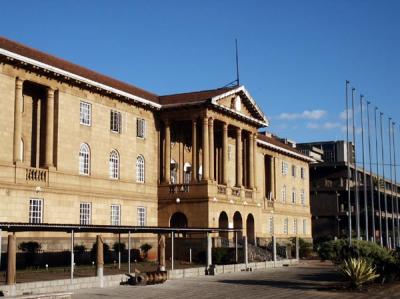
(311, 279)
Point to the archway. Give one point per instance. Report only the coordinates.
(223, 223)
(238, 224)
(178, 220)
(250, 229)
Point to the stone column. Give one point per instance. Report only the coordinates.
(272, 178)
(225, 154)
(239, 162)
(211, 144)
(11, 260)
(194, 151)
(39, 115)
(49, 128)
(161, 256)
(255, 161)
(99, 256)
(206, 156)
(251, 161)
(167, 161)
(18, 119)
(246, 251)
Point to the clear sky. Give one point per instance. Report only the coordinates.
(294, 55)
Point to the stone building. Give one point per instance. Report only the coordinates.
(79, 147)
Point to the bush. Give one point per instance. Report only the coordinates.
(145, 249)
(305, 248)
(30, 247)
(220, 256)
(79, 249)
(358, 272)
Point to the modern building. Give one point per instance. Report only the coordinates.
(329, 195)
(79, 147)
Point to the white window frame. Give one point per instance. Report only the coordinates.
(295, 227)
(285, 168)
(84, 159)
(140, 169)
(115, 121)
(271, 224)
(35, 210)
(115, 215)
(141, 128)
(286, 226)
(303, 197)
(114, 165)
(141, 216)
(283, 194)
(293, 196)
(85, 113)
(85, 213)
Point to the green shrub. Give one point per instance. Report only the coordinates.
(119, 246)
(305, 248)
(220, 256)
(358, 272)
(145, 249)
(79, 249)
(30, 247)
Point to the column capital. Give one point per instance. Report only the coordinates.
(238, 130)
(19, 83)
(225, 126)
(205, 120)
(50, 92)
(210, 120)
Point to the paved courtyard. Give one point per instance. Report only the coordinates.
(307, 280)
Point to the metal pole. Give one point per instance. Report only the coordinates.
(129, 252)
(384, 186)
(72, 255)
(246, 251)
(190, 255)
(349, 155)
(236, 248)
(355, 170)
(393, 240)
(364, 175)
(297, 248)
(119, 251)
(274, 249)
(209, 251)
(1, 247)
(172, 251)
(395, 183)
(372, 188)
(378, 180)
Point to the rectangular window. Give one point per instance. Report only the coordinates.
(293, 196)
(115, 121)
(304, 226)
(141, 128)
(294, 171)
(35, 210)
(285, 167)
(302, 198)
(283, 194)
(302, 173)
(85, 113)
(286, 226)
(271, 224)
(85, 213)
(141, 216)
(295, 226)
(115, 215)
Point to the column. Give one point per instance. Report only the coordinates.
(272, 178)
(49, 128)
(167, 161)
(206, 156)
(99, 256)
(239, 162)
(211, 144)
(255, 161)
(209, 251)
(194, 151)
(225, 154)
(39, 115)
(161, 257)
(11, 260)
(246, 251)
(18, 119)
(251, 161)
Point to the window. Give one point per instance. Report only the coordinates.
(35, 210)
(115, 214)
(141, 128)
(302, 198)
(302, 173)
(114, 165)
(85, 113)
(115, 121)
(84, 159)
(295, 226)
(286, 226)
(284, 168)
(293, 196)
(304, 226)
(21, 153)
(141, 216)
(187, 168)
(174, 172)
(85, 213)
(140, 169)
(283, 194)
(271, 225)
(294, 171)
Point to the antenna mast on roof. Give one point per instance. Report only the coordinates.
(237, 63)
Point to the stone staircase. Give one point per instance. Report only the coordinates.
(259, 254)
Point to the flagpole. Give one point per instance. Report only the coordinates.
(364, 175)
(393, 241)
(349, 157)
(355, 170)
(372, 187)
(395, 182)
(378, 180)
(384, 186)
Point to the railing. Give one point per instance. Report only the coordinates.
(179, 188)
(236, 192)
(248, 194)
(221, 189)
(36, 175)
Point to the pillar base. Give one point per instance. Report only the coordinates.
(211, 270)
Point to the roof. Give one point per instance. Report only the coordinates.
(54, 61)
(196, 96)
(275, 142)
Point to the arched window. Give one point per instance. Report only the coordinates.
(174, 172)
(114, 165)
(84, 159)
(188, 172)
(140, 169)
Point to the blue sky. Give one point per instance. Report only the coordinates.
(294, 55)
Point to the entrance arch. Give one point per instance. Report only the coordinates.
(223, 223)
(238, 224)
(178, 220)
(250, 229)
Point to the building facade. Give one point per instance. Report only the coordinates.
(82, 148)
